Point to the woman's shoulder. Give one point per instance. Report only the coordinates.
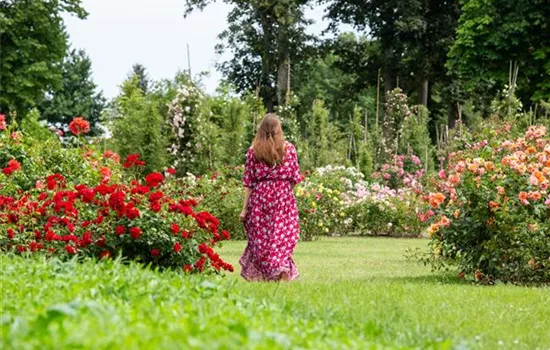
(289, 145)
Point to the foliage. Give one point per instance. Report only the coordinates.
(32, 126)
(415, 137)
(493, 208)
(265, 38)
(42, 157)
(220, 193)
(76, 95)
(318, 137)
(493, 33)
(137, 125)
(34, 43)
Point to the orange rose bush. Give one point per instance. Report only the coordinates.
(490, 209)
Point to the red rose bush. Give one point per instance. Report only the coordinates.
(142, 219)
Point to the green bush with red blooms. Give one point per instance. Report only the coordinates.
(220, 193)
(490, 209)
(99, 208)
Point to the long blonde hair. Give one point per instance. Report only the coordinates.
(269, 143)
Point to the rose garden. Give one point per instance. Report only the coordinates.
(121, 229)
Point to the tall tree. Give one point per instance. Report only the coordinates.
(493, 33)
(415, 37)
(265, 37)
(141, 72)
(77, 94)
(33, 45)
(386, 20)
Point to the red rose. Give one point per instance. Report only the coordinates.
(156, 207)
(70, 249)
(79, 126)
(120, 230)
(135, 232)
(177, 247)
(175, 229)
(3, 125)
(171, 171)
(155, 252)
(154, 179)
(101, 242)
(104, 254)
(12, 167)
(11, 234)
(226, 234)
(133, 160)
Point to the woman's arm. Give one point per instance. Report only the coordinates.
(247, 192)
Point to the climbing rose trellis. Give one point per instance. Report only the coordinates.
(184, 120)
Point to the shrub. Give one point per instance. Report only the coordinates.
(220, 193)
(90, 210)
(492, 209)
(405, 171)
(380, 210)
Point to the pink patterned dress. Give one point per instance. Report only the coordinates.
(271, 223)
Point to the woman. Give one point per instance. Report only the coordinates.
(269, 213)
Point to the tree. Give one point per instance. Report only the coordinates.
(140, 71)
(34, 43)
(265, 37)
(137, 124)
(342, 74)
(389, 21)
(491, 34)
(76, 96)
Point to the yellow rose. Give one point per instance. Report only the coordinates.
(326, 229)
(320, 224)
(342, 215)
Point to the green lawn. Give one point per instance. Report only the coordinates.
(356, 293)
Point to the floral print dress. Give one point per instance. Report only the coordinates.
(271, 223)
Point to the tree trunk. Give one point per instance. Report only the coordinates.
(424, 92)
(282, 80)
(267, 63)
(451, 115)
(388, 69)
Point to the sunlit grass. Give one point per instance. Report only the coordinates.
(353, 293)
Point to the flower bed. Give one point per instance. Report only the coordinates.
(91, 210)
(490, 209)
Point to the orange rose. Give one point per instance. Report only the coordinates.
(534, 196)
(473, 167)
(493, 205)
(454, 179)
(444, 221)
(436, 199)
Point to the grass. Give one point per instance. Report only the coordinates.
(356, 293)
